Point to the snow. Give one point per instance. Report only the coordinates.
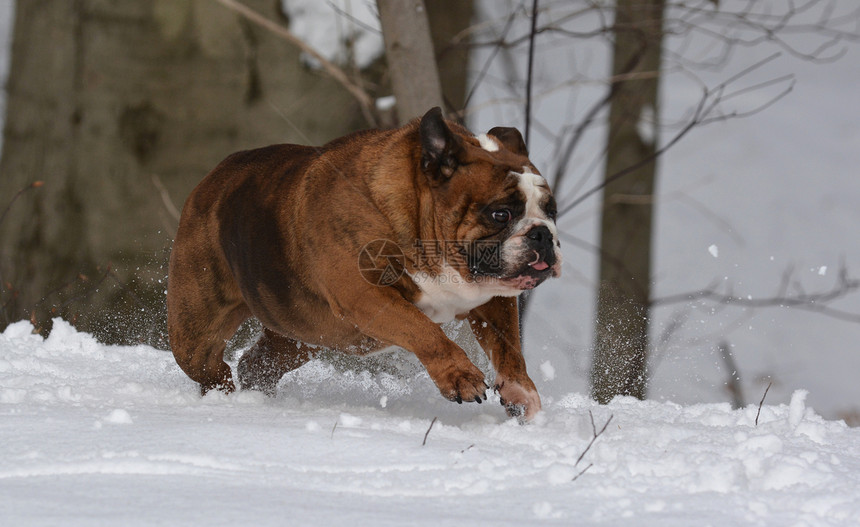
(547, 370)
(386, 103)
(119, 434)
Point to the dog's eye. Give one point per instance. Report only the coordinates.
(501, 216)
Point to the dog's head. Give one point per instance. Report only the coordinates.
(492, 203)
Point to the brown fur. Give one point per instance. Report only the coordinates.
(275, 233)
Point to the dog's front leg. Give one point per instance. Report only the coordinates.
(385, 315)
(496, 326)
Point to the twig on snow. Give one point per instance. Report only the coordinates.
(427, 433)
(581, 472)
(594, 437)
(762, 402)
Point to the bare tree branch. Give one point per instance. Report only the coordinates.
(709, 102)
(812, 302)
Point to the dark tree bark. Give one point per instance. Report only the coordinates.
(448, 18)
(621, 326)
(410, 56)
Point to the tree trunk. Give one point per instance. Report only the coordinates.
(411, 58)
(621, 326)
(121, 108)
(448, 18)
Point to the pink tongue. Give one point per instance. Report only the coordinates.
(540, 266)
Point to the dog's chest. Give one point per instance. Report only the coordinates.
(447, 294)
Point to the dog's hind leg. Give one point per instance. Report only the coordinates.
(262, 366)
(204, 309)
(198, 345)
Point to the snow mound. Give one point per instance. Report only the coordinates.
(86, 427)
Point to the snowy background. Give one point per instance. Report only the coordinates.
(740, 202)
(118, 434)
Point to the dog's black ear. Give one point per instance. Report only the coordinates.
(439, 146)
(511, 139)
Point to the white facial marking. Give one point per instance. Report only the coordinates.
(533, 186)
(488, 143)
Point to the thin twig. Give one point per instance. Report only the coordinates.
(333, 429)
(711, 99)
(614, 85)
(35, 184)
(427, 433)
(812, 302)
(596, 434)
(581, 472)
(762, 402)
(699, 114)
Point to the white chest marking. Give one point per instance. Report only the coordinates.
(447, 294)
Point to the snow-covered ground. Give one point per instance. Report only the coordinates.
(106, 435)
(94, 434)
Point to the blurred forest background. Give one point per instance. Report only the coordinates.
(646, 116)
(120, 109)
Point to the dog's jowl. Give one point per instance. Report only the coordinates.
(370, 241)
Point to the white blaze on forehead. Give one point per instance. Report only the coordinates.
(535, 188)
(487, 143)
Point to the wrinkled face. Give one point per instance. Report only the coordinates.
(501, 209)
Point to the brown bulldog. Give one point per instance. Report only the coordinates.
(370, 241)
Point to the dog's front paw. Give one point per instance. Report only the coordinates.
(463, 383)
(520, 399)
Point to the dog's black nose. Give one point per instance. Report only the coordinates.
(541, 241)
(540, 234)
